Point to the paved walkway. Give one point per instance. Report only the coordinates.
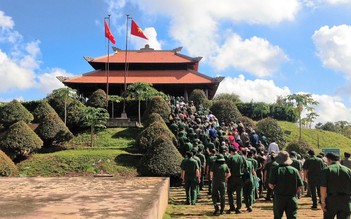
(77, 197)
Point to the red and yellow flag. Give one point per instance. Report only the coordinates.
(108, 34)
(137, 31)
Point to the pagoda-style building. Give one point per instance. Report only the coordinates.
(168, 70)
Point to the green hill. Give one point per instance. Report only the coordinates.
(318, 139)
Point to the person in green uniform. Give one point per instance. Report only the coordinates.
(210, 163)
(267, 170)
(298, 165)
(219, 175)
(286, 182)
(237, 164)
(250, 157)
(203, 165)
(313, 167)
(248, 188)
(335, 189)
(195, 156)
(190, 176)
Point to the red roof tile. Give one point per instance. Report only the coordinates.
(154, 77)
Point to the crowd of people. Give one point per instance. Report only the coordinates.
(235, 160)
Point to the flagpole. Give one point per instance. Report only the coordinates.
(124, 114)
(108, 66)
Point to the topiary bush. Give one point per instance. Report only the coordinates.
(153, 117)
(149, 135)
(97, 99)
(271, 129)
(41, 111)
(225, 111)
(19, 141)
(199, 98)
(157, 105)
(162, 159)
(248, 123)
(301, 147)
(14, 112)
(75, 112)
(7, 166)
(53, 131)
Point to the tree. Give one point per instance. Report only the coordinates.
(161, 159)
(61, 98)
(225, 96)
(310, 118)
(75, 111)
(301, 147)
(157, 105)
(301, 101)
(260, 110)
(14, 112)
(114, 99)
(19, 141)
(97, 99)
(271, 129)
(142, 91)
(94, 118)
(225, 111)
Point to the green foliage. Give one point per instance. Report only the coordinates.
(149, 135)
(284, 112)
(225, 96)
(14, 112)
(31, 105)
(271, 129)
(300, 146)
(157, 105)
(7, 167)
(75, 113)
(248, 123)
(53, 131)
(80, 163)
(161, 159)
(199, 98)
(153, 117)
(225, 111)
(42, 109)
(97, 99)
(19, 141)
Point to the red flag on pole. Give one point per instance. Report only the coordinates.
(108, 34)
(137, 31)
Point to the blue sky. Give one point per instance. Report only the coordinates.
(264, 49)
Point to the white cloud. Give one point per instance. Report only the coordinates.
(13, 76)
(6, 22)
(252, 90)
(48, 82)
(255, 55)
(331, 109)
(337, 2)
(151, 34)
(334, 47)
(197, 27)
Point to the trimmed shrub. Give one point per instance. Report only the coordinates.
(19, 141)
(53, 131)
(153, 117)
(248, 123)
(7, 166)
(149, 135)
(271, 129)
(157, 105)
(301, 147)
(14, 112)
(97, 99)
(199, 98)
(162, 159)
(225, 111)
(75, 112)
(41, 111)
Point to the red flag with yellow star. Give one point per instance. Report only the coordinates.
(137, 31)
(108, 34)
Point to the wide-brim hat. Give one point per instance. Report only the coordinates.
(220, 157)
(283, 158)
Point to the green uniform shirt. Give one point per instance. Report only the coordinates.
(286, 180)
(190, 165)
(211, 160)
(271, 164)
(297, 164)
(236, 164)
(219, 170)
(314, 165)
(198, 160)
(337, 179)
(254, 162)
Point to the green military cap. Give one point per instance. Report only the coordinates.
(220, 157)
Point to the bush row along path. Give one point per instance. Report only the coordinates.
(204, 208)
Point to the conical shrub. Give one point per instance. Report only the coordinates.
(53, 131)
(19, 141)
(149, 135)
(14, 112)
(157, 105)
(7, 166)
(41, 111)
(153, 117)
(97, 99)
(162, 159)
